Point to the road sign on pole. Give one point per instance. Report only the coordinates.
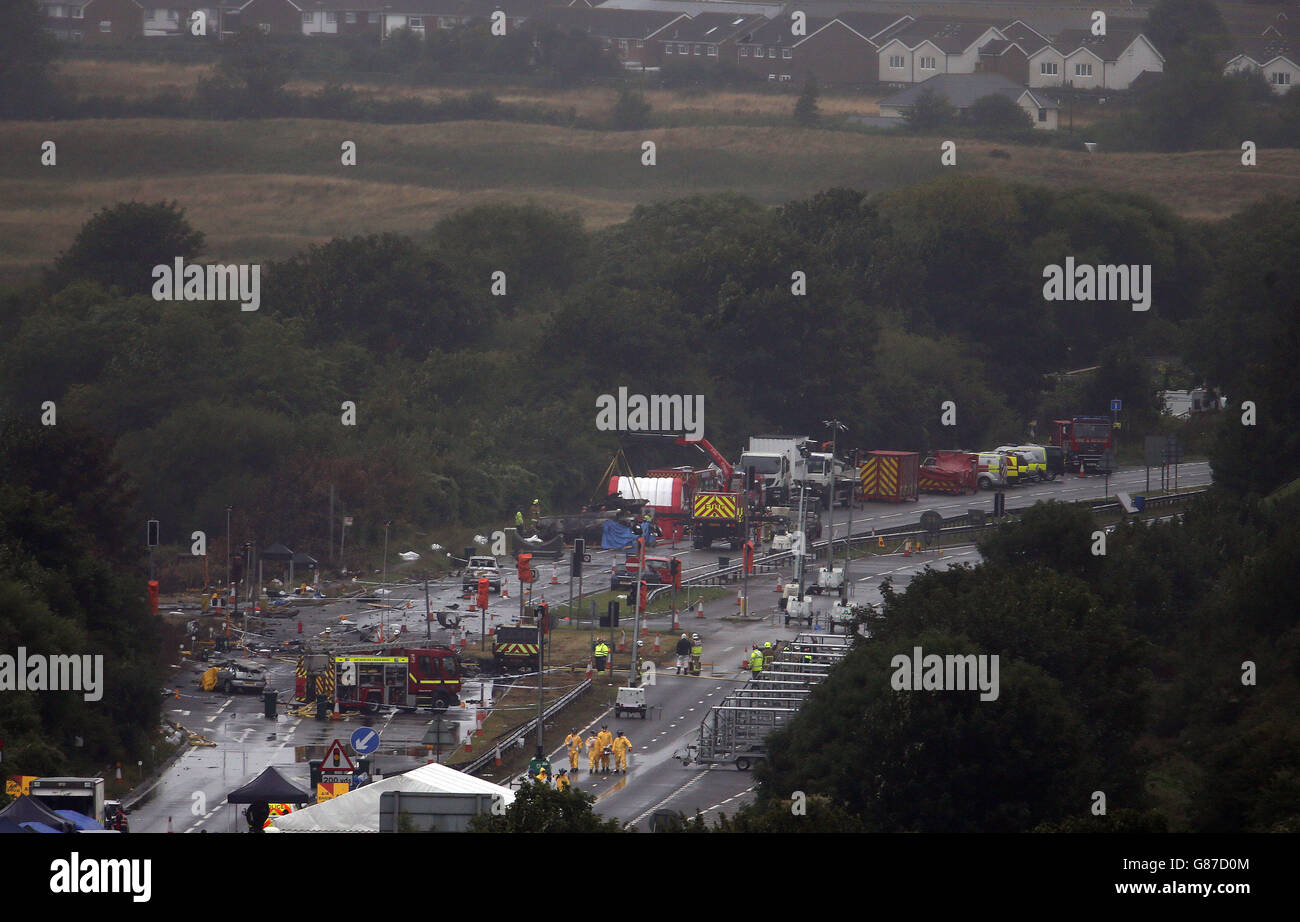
(1116, 405)
(335, 757)
(364, 741)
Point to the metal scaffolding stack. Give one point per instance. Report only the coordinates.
(736, 729)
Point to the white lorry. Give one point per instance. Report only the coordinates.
(777, 459)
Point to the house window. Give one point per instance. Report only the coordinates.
(1048, 68)
(622, 44)
(1279, 78)
(1042, 115)
(668, 49)
(785, 53)
(307, 18)
(78, 12)
(174, 15)
(415, 22)
(771, 52)
(785, 78)
(771, 77)
(713, 51)
(640, 44)
(1083, 70)
(683, 49)
(106, 25)
(744, 52)
(896, 61)
(332, 18)
(927, 62)
(699, 49)
(372, 18)
(264, 28)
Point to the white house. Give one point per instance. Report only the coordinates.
(1272, 56)
(925, 48)
(962, 90)
(1094, 62)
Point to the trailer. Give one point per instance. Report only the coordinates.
(735, 730)
(949, 472)
(889, 476)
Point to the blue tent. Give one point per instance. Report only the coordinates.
(38, 827)
(615, 535)
(79, 820)
(9, 826)
(27, 809)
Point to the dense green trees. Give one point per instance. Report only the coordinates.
(68, 544)
(875, 307)
(1159, 673)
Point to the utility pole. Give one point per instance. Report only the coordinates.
(803, 524)
(635, 679)
(428, 629)
(228, 547)
(835, 426)
(331, 557)
(385, 582)
(848, 544)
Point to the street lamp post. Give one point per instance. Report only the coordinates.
(385, 582)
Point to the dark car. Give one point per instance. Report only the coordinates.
(624, 574)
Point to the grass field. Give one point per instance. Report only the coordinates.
(263, 190)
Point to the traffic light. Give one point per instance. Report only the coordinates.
(611, 615)
(151, 533)
(579, 552)
(524, 564)
(542, 612)
(999, 504)
(484, 587)
(749, 556)
(675, 571)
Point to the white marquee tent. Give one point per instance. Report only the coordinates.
(358, 811)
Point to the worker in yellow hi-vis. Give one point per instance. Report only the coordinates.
(562, 781)
(574, 742)
(593, 752)
(621, 746)
(604, 740)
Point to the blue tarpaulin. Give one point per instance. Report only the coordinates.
(615, 535)
(38, 827)
(80, 820)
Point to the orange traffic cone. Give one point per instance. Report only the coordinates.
(622, 642)
(780, 587)
(907, 548)
(469, 743)
(590, 667)
(1081, 473)
(478, 721)
(496, 756)
(699, 609)
(505, 590)
(555, 580)
(656, 643)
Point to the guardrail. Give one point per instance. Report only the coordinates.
(506, 740)
(955, 526)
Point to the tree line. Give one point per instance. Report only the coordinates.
(470, 404)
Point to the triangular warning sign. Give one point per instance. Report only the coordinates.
(328, 763)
